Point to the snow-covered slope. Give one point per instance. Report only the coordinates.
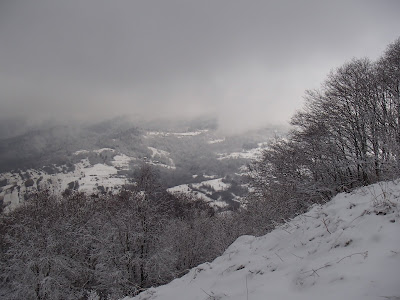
(253, 153)
(347, 249)
(204, 190)
(84, 177)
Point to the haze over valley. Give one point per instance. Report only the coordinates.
(191, 157)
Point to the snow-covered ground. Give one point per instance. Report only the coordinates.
(215, 184)
(216, 141)
(81, 152)
(209, 176)
(85, 178)
(177, 134)
(348, 248)
(121, 161)
(203, 190)
(163, 155)
(158, 152)
(186, 189)
(246, 154)
(158, 164)
(103, 149)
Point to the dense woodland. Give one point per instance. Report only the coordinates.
(66, 248)
(84, 247)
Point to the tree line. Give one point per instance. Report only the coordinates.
(346, 136)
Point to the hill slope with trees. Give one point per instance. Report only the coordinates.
(346, 136)
(348, 248)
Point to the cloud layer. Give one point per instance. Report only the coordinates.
(248, 62)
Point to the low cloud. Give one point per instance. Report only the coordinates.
(246, 62)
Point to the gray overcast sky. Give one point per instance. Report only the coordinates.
(248, 62)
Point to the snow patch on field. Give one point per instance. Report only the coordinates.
(216, 141)
(81, 152)
(183, 188)
(99, 175)
(186, 189)
(85, 177)
(158, 152)
(121, 161)
(216, 184)
(250, 154)
(204, 191)
(348, 248)
(158, 164)
(209, 176)
(161, 154)
(177, 134)
(103, 149)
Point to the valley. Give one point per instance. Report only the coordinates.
(192, 158)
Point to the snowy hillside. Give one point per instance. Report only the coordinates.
(83, 177)
(346, 249)
(104, 157)
(205, 190)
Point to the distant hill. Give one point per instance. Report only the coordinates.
(102, 158)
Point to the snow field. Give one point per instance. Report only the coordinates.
(216, 141)
(177, 134)
(250, 154)
(203, 191)
(162, 153)
(121, 161)
(88, 176)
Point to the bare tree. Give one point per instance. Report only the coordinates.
(346, 135)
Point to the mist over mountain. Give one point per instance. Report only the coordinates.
(190, 156)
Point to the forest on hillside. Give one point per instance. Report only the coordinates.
(107, 247)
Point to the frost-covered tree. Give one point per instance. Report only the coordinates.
(347, 135)
(106, 247)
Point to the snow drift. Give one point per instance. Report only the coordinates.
(348, 248)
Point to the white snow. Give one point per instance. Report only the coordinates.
(246, 154)
(158, 164)
(183, 188)
(191, 133)
(216, 184)
(158, 152)
(209, 176)
(177, 134)
(216, 141)
(103, 149)
(202, 190)
(88, 176)
(12, 199)
(250, 154)
(244, 170)
(218, 203)
(81, 152)
(99, 175)
(161, 154)
(98, 151)
(348, 248)
(121, 161)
